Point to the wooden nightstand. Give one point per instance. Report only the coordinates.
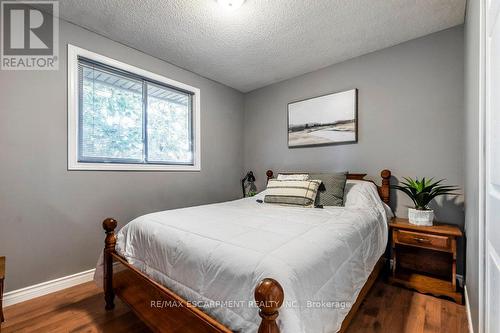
(425, 258)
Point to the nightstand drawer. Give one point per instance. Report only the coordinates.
(424, 240)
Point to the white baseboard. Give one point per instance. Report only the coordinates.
(44, 288)
(467, 309)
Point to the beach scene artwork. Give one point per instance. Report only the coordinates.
(324, 120)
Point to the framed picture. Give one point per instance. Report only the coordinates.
(324, 120)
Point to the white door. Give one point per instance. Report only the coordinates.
(492, 166)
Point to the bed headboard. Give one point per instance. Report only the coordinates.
(384, 190)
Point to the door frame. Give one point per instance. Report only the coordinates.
(482, 165)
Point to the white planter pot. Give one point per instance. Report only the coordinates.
(420, 217)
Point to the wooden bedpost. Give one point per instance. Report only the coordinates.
(109, 226)
(269, 296)
(269, 174)
(385, 189)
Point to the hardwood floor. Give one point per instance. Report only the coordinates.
(81, 309)
(77, 309)
(389, 308)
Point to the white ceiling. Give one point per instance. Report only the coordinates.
(264, 41)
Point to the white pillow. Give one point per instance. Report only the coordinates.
(388, 211)
(363, 194)
(359, 193)
(294, 176)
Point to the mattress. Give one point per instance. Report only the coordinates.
(215, 255)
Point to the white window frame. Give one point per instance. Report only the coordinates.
(73, 164)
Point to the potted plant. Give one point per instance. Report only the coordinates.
(421, 192)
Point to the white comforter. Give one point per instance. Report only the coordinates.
(219, 252)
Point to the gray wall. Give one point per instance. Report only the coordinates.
(410, 117)
(410, 105)
(472, 154)
(50, 217)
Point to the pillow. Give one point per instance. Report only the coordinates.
(295, 176)
(331, 193)
(292, 192)
(363, 194)
(359, 193)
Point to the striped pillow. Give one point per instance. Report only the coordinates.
(292, 192)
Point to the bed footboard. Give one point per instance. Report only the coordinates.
(138, 290)
(269, 296)
(109, 226)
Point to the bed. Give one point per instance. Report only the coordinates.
(218, 267)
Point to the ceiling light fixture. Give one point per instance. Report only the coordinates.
(230, 4)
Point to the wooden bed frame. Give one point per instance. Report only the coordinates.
(162, 310)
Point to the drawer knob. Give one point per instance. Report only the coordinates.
(421, 240)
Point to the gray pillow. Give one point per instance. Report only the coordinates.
(331, 192)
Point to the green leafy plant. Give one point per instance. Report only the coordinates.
(421, 192)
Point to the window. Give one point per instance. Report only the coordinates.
(124, 118)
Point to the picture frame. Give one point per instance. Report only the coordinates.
(329, 119)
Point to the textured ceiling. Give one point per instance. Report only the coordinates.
(264, 41)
